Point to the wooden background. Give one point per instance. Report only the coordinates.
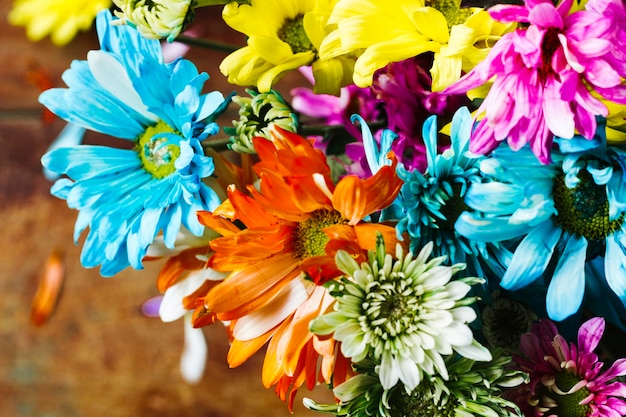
(97, 356)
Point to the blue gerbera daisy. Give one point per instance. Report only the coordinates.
(127, 196)
(560, 216)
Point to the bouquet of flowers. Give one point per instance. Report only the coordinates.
(435, 226)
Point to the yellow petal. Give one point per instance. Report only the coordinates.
(432, 23)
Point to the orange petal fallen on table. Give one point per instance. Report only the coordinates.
(48, 290)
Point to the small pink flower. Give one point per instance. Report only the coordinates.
(543, 74)
(567, 379)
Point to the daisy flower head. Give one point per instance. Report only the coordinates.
(383, 31)
(567, 379)
(543, 75)
(473, 389)
(283, 35)
(294, 222)
(558, 217)
(59, 19)
(156, 19)
(127, 196)
(402, 312)
(429, 203)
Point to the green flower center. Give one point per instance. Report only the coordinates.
(310, 239)
(156, 154)
(451, 10)
(568, 405)
(292, 32)
(391, 307)
(421, 402)
(584, 209)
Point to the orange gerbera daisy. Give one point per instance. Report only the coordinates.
(295, 222)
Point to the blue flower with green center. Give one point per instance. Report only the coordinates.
(560, 217)
(128, 196)
(429, 204)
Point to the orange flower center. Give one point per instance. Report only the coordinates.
(310, 239)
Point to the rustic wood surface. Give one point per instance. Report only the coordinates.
(98, 355)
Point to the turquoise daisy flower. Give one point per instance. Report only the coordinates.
(128, 196)
(429, 203)
(560, 218)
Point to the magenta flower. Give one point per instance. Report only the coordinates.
(405, 89)
(568, 380)
(543, 74)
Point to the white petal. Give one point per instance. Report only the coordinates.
(194, 356)
(263, 320)
(110, 73)
(172, 304)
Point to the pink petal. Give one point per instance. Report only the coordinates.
(545, 15)
(509, 13)
(590, 333)
(558, 114)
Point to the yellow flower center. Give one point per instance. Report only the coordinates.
(156, 154)
(452, 11)
(584, 209)
(292, 33)
(310, 239)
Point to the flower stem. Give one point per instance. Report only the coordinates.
(206, 43)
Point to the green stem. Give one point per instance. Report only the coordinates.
(203, 3)
(205, 43)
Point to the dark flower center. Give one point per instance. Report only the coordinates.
(549, 46)
(156, 153)
(292, 32)
(452, 209)
(584, 209)
(310, 239)
(504, 322)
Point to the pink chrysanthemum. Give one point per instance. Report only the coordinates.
(568, 380)
(543, 74)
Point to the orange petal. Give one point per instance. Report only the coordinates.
(240, 352)
(49, 289)
(214, 222)
(356, 198)
(247, 284)
(366, 236)
(175, 266)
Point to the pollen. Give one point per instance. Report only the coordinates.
(310, 238)
(451, 10)
(584, 209)
(157, 154)
(292, 32)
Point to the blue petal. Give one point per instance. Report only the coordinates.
(88, 161)
(531, 256)
(125, 41)
(482, 229)
(565, 292)
(615, 264)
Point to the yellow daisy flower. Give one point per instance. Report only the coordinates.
(283, 35)
(384, 31)
(59, 19)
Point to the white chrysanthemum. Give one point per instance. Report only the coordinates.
(155, 19)
(404, 313)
